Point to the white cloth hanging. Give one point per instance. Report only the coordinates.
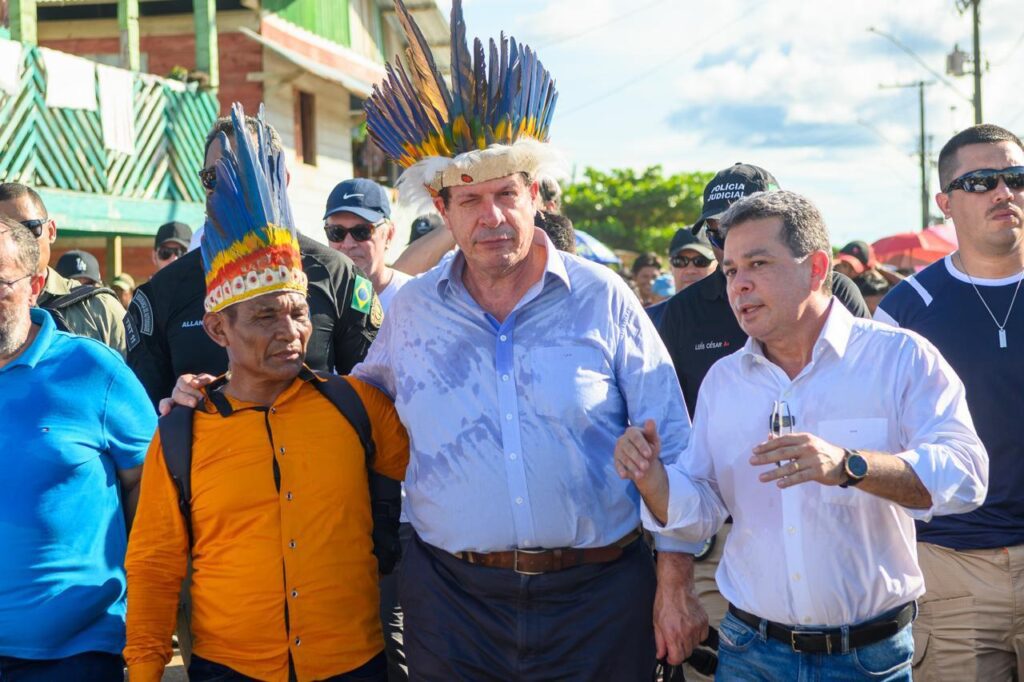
(10, 66)
(117, 108)
(70, 81)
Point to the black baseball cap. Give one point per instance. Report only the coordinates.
(861, 251)
(424, 224)
(735, 182)
(360, 196)
(176, 232)
(79, 264)
(684, 238)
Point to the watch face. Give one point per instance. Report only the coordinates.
(857, 466)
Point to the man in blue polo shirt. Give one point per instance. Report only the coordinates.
(74, 427)
(971, 625)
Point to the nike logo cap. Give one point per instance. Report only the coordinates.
(363, 197)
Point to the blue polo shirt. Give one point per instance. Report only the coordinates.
(71, 415)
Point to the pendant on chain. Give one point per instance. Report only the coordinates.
(1002, 338)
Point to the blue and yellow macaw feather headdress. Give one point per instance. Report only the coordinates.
(493, 122)
(249, 245)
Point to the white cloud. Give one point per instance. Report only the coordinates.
(799, 69)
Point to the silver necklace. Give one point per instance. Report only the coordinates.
(1002, 327)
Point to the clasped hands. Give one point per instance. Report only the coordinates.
(799, 458)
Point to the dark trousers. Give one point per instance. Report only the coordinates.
(202, 670)
(465, 622)
(391, 617)
(92, 666)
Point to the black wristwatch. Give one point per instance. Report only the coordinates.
(855, 467)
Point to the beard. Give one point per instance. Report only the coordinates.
(14, 331)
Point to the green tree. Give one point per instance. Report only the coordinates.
(635, 211)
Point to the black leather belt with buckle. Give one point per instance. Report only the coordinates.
(829, 641)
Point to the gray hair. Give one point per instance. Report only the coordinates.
(26, 247)
(803, 228)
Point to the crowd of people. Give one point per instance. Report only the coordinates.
(492, 459)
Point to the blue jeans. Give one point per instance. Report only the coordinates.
(93, 666)
(745, 653)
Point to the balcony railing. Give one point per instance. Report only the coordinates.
(63, 149)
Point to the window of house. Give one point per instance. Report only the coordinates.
(305, 127)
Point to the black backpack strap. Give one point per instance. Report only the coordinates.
(176, 441)
(56, 305)
(385, 493)
(76, 295)
(344, 397)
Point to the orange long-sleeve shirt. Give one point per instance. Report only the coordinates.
(305, 543)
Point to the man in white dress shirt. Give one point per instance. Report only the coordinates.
(820, 569)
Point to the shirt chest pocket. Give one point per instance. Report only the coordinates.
(870, 433)
(567, 381)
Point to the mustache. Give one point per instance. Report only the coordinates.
(1013, 208)
(493, 234)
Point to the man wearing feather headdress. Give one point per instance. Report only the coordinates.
(514, 367)
(277, 514)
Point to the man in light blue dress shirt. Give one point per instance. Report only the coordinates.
(515, 367)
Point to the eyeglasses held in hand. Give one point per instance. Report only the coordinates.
(781, 422)
(36, 226)
(685, 261)
(360, 233)
(987, 179)
(166, 252)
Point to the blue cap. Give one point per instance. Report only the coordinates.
(664, 285)
(363, 197)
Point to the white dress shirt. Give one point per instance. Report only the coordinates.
(815, 554)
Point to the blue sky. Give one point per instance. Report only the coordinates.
(791, 85)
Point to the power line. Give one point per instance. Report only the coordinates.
(913, 55)
(754, 7)
(1006, 57)
(625, 15)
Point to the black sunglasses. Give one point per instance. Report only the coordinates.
(208, 177)
(716, 238)
(684, 261)
(987, 179)
(165, 252)
(360, 233)
(36, 225)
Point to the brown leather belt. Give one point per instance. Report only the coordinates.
(537, 561)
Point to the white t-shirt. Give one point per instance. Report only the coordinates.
(398, 280)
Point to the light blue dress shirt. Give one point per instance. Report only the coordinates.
(512, 424)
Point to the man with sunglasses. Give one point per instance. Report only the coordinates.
(699, 328)
(171, 243)
(357, 221)
(692, 259)
(971, 624)
(92, 312)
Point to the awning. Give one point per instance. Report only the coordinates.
(350, 83)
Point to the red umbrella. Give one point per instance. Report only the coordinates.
(912, 249)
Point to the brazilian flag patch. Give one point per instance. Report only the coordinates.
(362, 295)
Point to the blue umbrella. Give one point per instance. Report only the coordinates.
(590, 248)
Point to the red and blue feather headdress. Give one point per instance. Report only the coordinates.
(249, 245)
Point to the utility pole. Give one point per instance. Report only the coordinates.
(956, 59)
(977, 62)
(923, 151)
(922, 147)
